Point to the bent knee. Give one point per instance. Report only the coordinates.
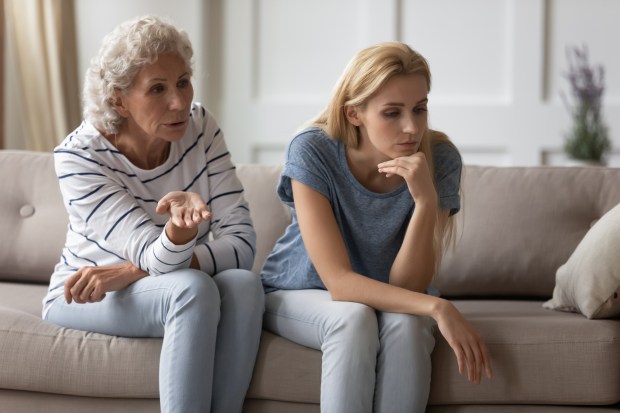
(355, 317)
(241, 283)
(189, 284)
(407, 325)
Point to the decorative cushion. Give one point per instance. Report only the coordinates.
(589, 282)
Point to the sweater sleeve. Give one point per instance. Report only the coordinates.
(233, 240)
(103, 211)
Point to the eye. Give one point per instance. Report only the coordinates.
(419, 110)
(391, 113)
(157, 88)
(183, 83)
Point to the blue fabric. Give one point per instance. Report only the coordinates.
(372, 224)
(211, 331)
(373, 361)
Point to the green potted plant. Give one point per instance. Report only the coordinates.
(588, 140)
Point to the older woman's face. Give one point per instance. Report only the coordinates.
(157, 103)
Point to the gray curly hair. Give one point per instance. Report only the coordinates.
(123, 52)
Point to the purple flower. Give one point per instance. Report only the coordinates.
(588, 138)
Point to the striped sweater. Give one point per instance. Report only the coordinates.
(111, 204)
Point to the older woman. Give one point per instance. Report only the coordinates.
(160, 240)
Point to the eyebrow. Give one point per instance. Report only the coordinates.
(425, 100)
(161, 79)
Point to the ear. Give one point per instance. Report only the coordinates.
(118, 103)
(353, 115)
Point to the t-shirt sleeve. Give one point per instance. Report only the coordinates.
(306, 163)
(448, 165)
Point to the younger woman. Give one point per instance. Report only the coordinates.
(372, 191)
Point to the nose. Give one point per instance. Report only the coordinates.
(176, 100)
(410, 124)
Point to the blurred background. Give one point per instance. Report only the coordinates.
(264, 67)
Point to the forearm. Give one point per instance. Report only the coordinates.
(414, 265)
(178, 235)
(353, 287)
(228, 252)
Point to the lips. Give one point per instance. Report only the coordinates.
(176, 124)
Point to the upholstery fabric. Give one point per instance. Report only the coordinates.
(14, 401)
(589, 282)
(38, 356)
(521, 336)
(33, 216)
(519, 224)
(269, 215)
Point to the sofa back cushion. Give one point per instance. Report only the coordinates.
(33, 220)
(269, 215)
(516, 227)
(519, 224)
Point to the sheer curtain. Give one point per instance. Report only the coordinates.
(42, 36)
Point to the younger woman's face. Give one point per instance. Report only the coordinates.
(393, 121)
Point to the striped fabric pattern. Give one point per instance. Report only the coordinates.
(111, 204)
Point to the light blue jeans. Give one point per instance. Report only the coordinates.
(372, 361)
(211, 329)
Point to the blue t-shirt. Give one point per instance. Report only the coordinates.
(372, 224)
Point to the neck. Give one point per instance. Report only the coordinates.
(144, 153)
(363, 166)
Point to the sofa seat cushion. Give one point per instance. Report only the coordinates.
(38, 356)
(539, 357)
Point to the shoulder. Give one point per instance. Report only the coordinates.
(446, 158)
(203, 120)
(445, 151)
(86, 146)
(312, 142)
(85, 137)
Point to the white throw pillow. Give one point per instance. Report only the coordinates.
(589, 282)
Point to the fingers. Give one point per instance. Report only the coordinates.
(163, 206)
(190, 217)
(472, 358)
(403, 165)
(186, 209)
(81, 288)
(486, 361)
(69, 285)
(460, 358)
(77, 290)
(471, 365)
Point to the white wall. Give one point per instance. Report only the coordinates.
(94, 19)
(265, 66)
(497, 68)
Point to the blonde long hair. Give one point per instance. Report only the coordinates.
(362, 78)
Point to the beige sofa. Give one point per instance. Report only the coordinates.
(518, 225)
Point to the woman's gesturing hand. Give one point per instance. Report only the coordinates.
(415, 171)
(471, 352)
(186, 209)
(90, 284)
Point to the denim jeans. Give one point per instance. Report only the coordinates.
(210, 327)
(372, 360)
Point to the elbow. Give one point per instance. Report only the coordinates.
(337, 287)
(248, 255)
(247, 263)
